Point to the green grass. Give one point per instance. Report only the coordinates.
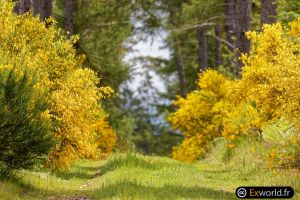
(132, 176)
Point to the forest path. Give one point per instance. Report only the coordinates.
(134, 176)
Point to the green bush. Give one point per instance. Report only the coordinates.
(25, 131)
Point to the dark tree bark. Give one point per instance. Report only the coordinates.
(243, 10)
(22, 6)
(43, 8)
(230, 24)
(237, 23)
(179, 64)
(36, 5)
(202, 51)
(268, 11)
(68, 17)
(218, 51)
(180, 71)
(230, 30)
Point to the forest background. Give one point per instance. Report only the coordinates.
(198, 35)
(87, 108)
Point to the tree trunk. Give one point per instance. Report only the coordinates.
(36, 5)
(230, 30)
(43, 8)
(180, 71)
(218, 51)
(243, 10)
(22, 6)
(202, 52)
(230, 24)
(268, 11)
(68, 17)
(176, 46)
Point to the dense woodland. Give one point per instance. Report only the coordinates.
(233, 75)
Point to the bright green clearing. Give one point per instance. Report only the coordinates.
(134, 176)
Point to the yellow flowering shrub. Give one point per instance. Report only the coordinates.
(271, 79)
(26, 43)
(241, 119)
(106, 137)
(268, 91)
(271, 75)
(295, 28)
(199, 116)
(269, 87)
(77, 110)
(190, 149)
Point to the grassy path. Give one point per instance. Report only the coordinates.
(138, 177)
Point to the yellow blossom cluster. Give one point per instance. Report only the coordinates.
(199, 116)
(271, 73)
(268, 90)
(28, 44)
(106, 137)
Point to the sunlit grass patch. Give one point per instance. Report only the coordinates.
(133, 176)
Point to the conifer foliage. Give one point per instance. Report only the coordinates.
(24, 128)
